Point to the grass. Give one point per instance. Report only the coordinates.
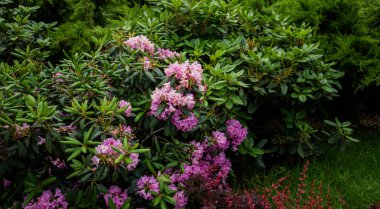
(353, 174)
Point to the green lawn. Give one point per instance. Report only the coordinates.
(353, 174)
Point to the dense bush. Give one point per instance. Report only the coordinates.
(132, 123)
(19, 35)
(256, 63)
(349, 32)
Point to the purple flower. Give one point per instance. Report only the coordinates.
(41, 140)
(122, 131)
(140, 42)
(117, 197)
(187, 74)
(106, 147)
(95, 160)
(171, 99)
(183, 122)
(59, 163)
(147, 184)
(128, 111)
(135, 161)
(220, 161)
(147, 63)
(166, 53)
(58, 77)
(180, 200)
(236, 132)
(48, 200)
(199, 149)
(219, 141)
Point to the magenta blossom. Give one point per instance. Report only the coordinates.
(183, 122)
(146, 185)
(180, 200)
(219, 141)
(128, 111)
(116, 195)
(172, 100)
(236, 132)
(166, 53)
(41, 140)
(135, 161)
(141, 43)
(187, 74)
(48, 200)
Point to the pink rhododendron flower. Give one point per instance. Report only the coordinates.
(172, 99)
(95, 160)
(41, 140)
(166, 53)
(48, 200)
(57, 77)
(105, 148)
(187, 74)
(135, 161)
(116, 195)
(59, 163)
(147, 63)
(147, 184)
(183, 122)
(180, 200)
(219, 141)
(128, 111)
(122, 131)
(140, 42)
(236, 132)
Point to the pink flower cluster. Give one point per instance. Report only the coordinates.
(208, 166)
(236, 132)
(172, 99)
(183, 122)
(116, 195)
(187, 74)
(147, 63)
(60, 164)
(166, 53)
(106, 152)
(146, 185)
(140, 42)
(58, 77)
(175, 99)
(180, 200)
(219, 141)
(128, 110)
(123, 131)
(48, 200)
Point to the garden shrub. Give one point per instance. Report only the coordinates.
(148, 122)
(20, 35)
(69, 129)
(349, 32)
(257, 63)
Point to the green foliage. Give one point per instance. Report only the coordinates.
(349, 31)
(254, 60)
(258, 67)
(18, 32)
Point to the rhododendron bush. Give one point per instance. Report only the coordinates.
(123, 127)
